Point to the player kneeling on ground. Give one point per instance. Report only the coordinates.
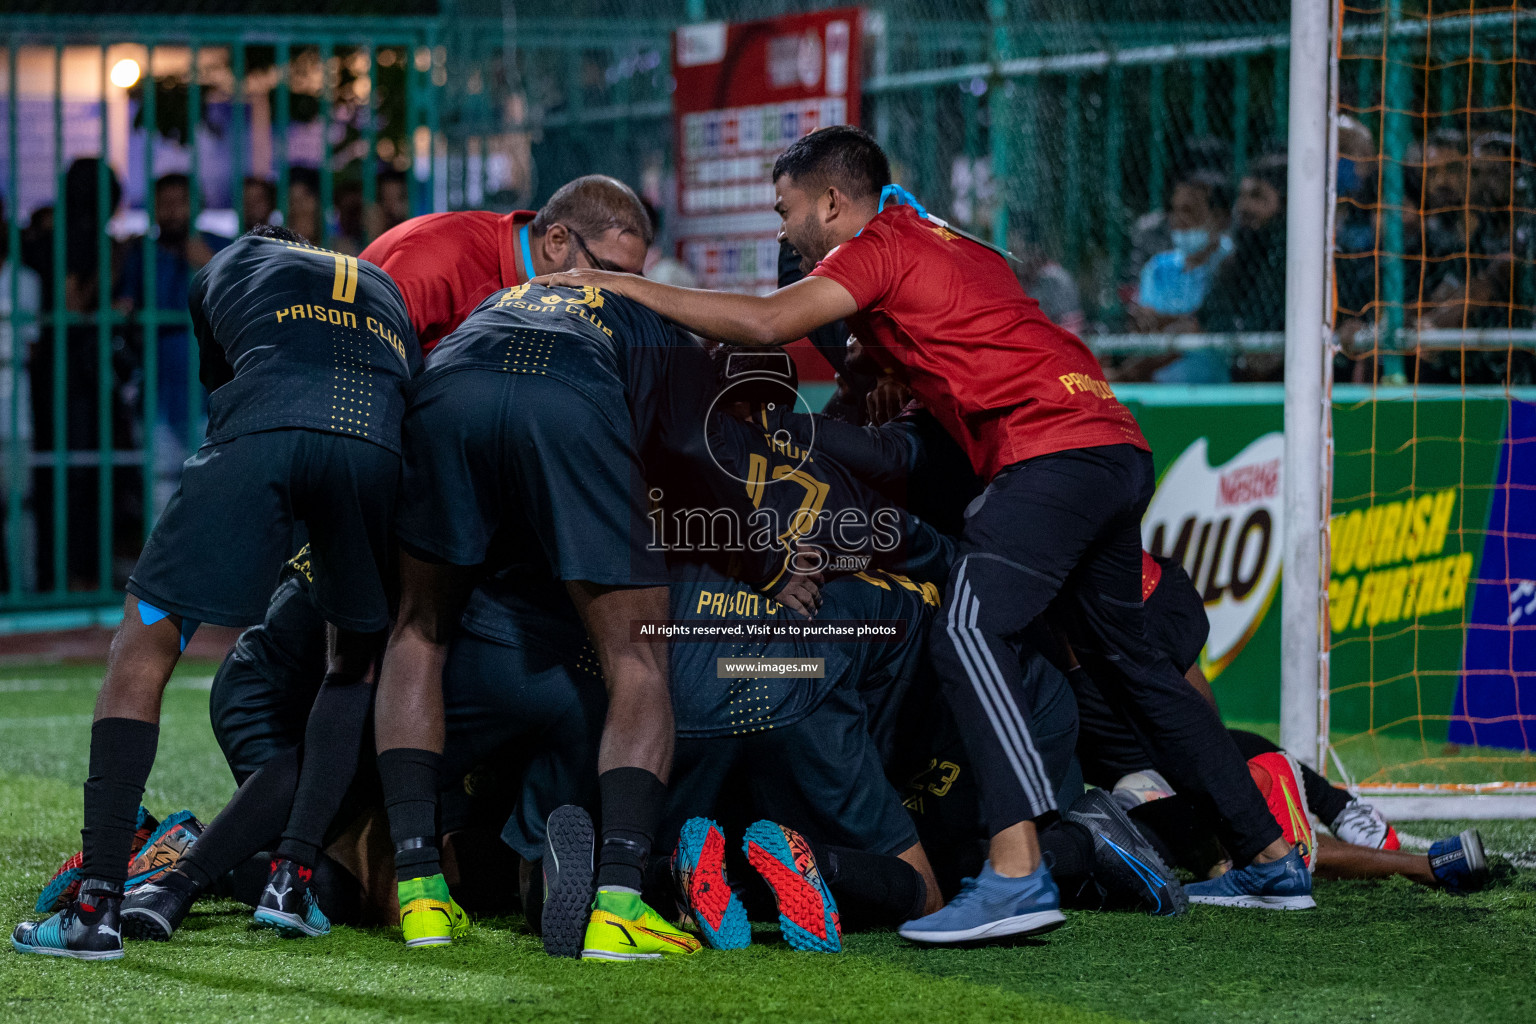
(308, 351)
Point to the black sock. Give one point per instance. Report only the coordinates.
(658, 886)
(1181, 831)
(1070, 846)
(180, 880)
(122, 753)
(409, 777)
(1325, 800)
(252, 821)
(332, 740)
(632, 804)
(873, 890)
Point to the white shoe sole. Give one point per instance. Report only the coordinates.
(1037, 923)
(72, 954)
(436, 940)
(289, 926)
(147, 926)
(1258, 902)
(602, 954)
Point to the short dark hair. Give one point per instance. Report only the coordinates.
(1448, 138)
(278, 232)
(752, 375)
(1496, 143)
(1273, 170)
(308, 177)
(173, 180)
(1218, 194)
(1205, 153)
(592, 206)
(841, 155)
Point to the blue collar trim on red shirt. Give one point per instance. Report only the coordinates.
(522, 241)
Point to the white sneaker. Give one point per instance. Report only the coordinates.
(1362, 824)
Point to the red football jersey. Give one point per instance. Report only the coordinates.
(445, 264)
(1006, 383)
(1151, 574)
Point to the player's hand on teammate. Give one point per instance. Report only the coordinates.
(802, 593)
(886, 400)
(586, 277)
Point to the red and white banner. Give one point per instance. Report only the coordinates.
(744, 93)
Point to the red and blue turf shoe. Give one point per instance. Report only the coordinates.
(698, 866)
(64, 886)
(807, 912)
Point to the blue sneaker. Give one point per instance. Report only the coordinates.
(88, 928)
(698, 866)
(1459, 863)
(1285, 884)
(990, 907)
(288, 905)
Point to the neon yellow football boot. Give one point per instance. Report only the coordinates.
(428, 915)
(622, 927)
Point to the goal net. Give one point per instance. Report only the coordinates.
(1430, 693)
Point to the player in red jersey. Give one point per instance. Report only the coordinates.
(1069, 476)
(445, 264)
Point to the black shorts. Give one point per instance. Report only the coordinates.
(219, 548)
(1175, 616)
(523, 726)
(821, 776)
(506, 467)
(263, 691)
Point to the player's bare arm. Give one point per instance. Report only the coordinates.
(755, 320)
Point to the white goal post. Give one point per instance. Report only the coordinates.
(1305, 628)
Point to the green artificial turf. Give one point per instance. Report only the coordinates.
(1373, 952)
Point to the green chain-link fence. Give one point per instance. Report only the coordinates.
(1058, 128)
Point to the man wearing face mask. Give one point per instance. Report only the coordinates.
(1175, 282)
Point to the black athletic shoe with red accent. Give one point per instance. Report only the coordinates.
(153, 911)
(88, 928)
(807, 912)
(287, 903)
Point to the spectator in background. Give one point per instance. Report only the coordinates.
(1355, 221)
(1045, 280)
(37, 247)
(258, 198)
(179, 251)
(83, 221)
(351, 232)
(1248, 293)
(1150, 234)
(1481, 286)
(394, 200)
(1441, 163)
(1175, 282)
(18, 333)
(304, 214)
